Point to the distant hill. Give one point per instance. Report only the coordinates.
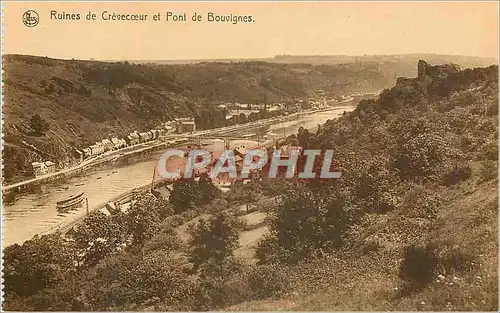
(85, 101)
(403, 64)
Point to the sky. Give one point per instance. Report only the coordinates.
(292, 28)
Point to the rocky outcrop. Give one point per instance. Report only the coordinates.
(436, 71)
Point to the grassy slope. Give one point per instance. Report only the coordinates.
(356, 281)
(365, 274)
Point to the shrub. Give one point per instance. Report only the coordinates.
(421, 156)
(267, 281)
(213, 240)
(39, 125)
(39, 263)
(269, 251)
(164, 241)
(212, 294)
(464, 173)
(126, 280)
(305, 221)
(375, 189)
(418, 266)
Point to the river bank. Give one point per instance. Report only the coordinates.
(34, 212)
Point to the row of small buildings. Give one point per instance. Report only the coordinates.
(180, 125)
(114, 143)
(43, 168)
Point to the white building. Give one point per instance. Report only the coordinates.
(186, 125)
(107, 144)
(43, 168)
(97, 149)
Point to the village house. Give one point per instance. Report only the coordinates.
(154, 133)
(97, 149)
(132, 139)
(87, 153)
(160, 132)
(186, 125)
(43, 168)
(107, 144)
(79, 154)
(118, 143)
(144, 136)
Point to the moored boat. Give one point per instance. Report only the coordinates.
(72, 202)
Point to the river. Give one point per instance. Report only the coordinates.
(34, 213)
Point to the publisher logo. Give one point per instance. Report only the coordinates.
(30, 18)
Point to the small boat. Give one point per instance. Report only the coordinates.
(99, 177)
(79, 184)
(69, 203)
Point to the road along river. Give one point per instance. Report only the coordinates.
(35, 212)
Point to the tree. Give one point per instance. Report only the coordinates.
(213, 240)
(421, 156)
(244, 194)
(143, 219)
(97, 237)
(207, 189)
(188, 193)
(306, 221)
(38, 125)
(185, 195)
(124, 280)
(304, 137)
(39, 263)
(375, 188)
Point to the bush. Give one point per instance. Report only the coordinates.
(418, 266)
(269, 251)
(267, 281)
(213, 241)
(126, 280)
(39, 125)
(212, 293)
(304, 222)
(464, 173)
(421, 156)
(41, 262)
(375, 189)
(455, 260)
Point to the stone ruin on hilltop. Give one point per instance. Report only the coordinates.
(436, 71)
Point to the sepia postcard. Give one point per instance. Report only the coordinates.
(249, 156)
